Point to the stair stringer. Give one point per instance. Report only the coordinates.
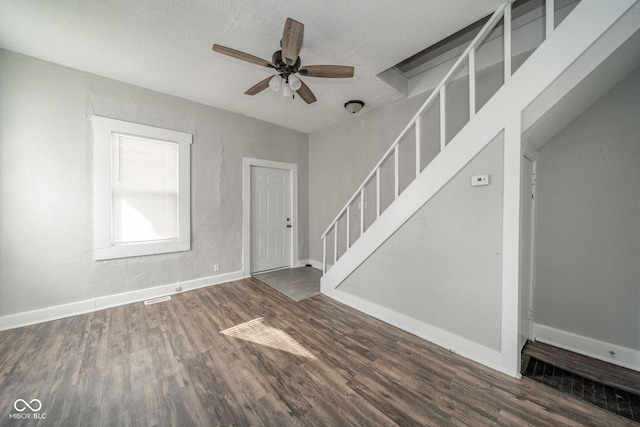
(569, 42)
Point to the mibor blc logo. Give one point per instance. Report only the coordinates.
(27, 410)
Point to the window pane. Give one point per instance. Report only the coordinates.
(145, 189)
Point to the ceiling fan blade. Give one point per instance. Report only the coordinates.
(306, 94)
(331, 71)
(291, 40)
(241, 55)
(258, 87)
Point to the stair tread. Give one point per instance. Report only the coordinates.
(588, 367)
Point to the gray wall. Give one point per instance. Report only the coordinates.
(444, 265)
(341, 156)
(46, 184)
(588, 225)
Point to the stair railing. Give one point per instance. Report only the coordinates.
(415, 123)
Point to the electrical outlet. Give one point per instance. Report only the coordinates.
(178, 288)
(216, 267)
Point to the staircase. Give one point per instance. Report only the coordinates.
(592, 31)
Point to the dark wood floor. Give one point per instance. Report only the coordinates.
(244, 354)
(593, 369)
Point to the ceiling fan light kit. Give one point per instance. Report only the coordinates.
(353, 106)
(275, 83)
(287, 63)
(287, 92)
(294, 82)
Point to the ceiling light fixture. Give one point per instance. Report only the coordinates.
(275, 83)
(353, 106)
(294, 82)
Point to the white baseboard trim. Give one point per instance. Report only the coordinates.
(314, 263)
(623, 356)
(452, 342)
(87, 306)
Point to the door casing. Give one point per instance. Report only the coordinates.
(247, 163)
(527, 248)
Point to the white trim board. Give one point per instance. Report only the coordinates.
(247, 162)
(87, 306)
(510, 301)
(625, 357)
(312, 262)
(445, 339)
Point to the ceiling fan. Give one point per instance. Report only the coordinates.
(286, 62)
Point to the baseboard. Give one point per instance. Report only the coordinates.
(312, 262)
(454, 343)
(622, 356)
(87, 306)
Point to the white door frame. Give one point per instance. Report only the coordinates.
(532, 155)
(247, 162)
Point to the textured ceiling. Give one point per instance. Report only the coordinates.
(165, 45)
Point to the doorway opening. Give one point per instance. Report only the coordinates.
(269, 226)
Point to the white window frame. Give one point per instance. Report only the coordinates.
(103, 134)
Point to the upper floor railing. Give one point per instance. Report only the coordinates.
(439, 94)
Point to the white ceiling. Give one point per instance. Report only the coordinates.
(165, 45)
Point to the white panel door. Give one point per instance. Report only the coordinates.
(527, 186)
(270, 218)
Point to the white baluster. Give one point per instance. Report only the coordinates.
(335, 243)
(507, 42)
(362, 211)
(377, 193)
(324, 254)
(550, 20)
(472, 83)
(348, 224)
(418, 155)
(396, 171)
(443, 117)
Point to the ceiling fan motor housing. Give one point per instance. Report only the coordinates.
(284, 69)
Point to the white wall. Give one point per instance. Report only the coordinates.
(46, 184)
(588, 226)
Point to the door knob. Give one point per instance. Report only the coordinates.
(288, 225)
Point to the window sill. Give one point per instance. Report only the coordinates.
(140, 249)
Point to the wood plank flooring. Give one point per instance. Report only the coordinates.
(244, 354)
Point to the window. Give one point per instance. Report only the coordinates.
(141, 189)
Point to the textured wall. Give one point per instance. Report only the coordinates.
(588, 222)
(46, 177)
(444, 265)
(341, 156)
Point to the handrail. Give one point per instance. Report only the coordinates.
(504, 11)
(484, 32)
